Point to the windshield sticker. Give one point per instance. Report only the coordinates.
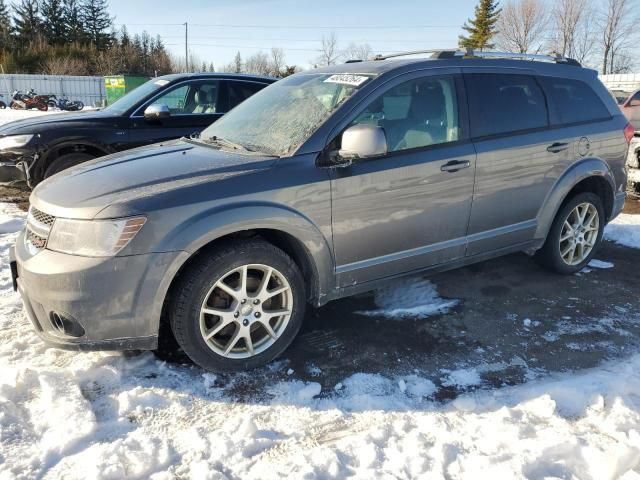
(162, 83)
(347, 79)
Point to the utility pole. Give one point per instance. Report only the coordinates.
(186, 47)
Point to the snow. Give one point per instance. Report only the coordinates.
(600, 264)
(69, 415)
(624, 230)
(409, 298)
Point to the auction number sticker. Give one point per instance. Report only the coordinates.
(162, 83)
(347, 79)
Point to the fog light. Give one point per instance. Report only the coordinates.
(65, 325)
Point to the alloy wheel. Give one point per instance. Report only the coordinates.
(246, 311)
(579, 233)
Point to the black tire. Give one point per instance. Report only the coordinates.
(3, 105)
(549, 255)
(66, 161)
(195, 284)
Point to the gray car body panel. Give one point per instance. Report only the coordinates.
(359, 225)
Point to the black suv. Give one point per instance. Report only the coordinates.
(164, 108)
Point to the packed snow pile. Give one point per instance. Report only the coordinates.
(71, 415)
(624, 230)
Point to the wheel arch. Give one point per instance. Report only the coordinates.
(291, 232)
(53, 151)
(589, 175)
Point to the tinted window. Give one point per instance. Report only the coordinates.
(574, 101)
(240, 91)
(416, 114)
(505, 103)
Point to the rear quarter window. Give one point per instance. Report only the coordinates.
(574, 101)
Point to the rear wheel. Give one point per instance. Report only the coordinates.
(575, 235)
(66, 161)
(238, 308)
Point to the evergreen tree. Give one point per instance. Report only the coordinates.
(482, 28)
(27, 20)
(73, 21)
(237, 62)
(54, 25)
(5, 27)
(125, 40)
(212, 67)
(97, 22)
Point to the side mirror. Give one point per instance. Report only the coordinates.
(157, 111)
(362, 141)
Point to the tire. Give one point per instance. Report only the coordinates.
(198, 288)
(43, 107)
(15, 106)
(2, 105)
(550, 255)
(66, 161)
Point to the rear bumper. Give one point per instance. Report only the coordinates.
(80, 303)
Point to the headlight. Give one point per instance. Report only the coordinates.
(14, 141)
(93, 238)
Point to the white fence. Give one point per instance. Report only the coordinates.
(89, 90)
(628, 82)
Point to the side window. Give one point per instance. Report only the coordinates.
(574, 101)
(175, 99)
(240, 91)
(636, 97)
(418, 113)
(189, 99)
(505, 103)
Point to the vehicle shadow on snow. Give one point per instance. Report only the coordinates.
(512, 322)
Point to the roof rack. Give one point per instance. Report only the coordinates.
(471, 53)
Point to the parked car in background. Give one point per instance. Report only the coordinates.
(631, 108)
(325, 184)
(164, 108)
(621, 96)
(633, 163)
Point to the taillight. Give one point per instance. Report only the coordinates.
(629, 132)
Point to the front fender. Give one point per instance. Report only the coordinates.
(577, 172)
(192, 234)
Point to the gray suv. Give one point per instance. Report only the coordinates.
(324, 184)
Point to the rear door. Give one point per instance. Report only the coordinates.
(408, 209)
(519, 157)
(194, 105)
(237, 91)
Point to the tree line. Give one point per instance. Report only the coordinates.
(74, 37)
(598, 33)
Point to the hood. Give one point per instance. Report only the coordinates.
(86, 190)
(31, 124)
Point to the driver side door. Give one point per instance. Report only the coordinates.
(193, 105)
(408, 209)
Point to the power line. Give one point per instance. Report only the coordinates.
(291, 27)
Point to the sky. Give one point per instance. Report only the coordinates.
(218, 29)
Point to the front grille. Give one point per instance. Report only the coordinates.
(39, 225)
(41, 217)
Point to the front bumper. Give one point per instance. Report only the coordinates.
(83, 303)
(11, 172)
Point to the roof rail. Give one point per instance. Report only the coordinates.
(471, 53)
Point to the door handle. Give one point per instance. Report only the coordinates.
(455, 165)
(557, 147)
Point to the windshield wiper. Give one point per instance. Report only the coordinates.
(223, 142)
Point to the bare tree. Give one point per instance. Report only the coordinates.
(617, 23)
(358, 52)
(277, 61)
(329, 53)
(568, 19)
(65, 66)
(522, 26)
(258, 63)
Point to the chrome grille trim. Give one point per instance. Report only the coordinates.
(37, 230)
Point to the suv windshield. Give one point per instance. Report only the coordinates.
(283, 116)
(135, 96)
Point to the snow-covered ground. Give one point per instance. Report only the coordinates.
(109, 415)
(113, 416)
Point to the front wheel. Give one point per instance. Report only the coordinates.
(575, 235)
(238, 307)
